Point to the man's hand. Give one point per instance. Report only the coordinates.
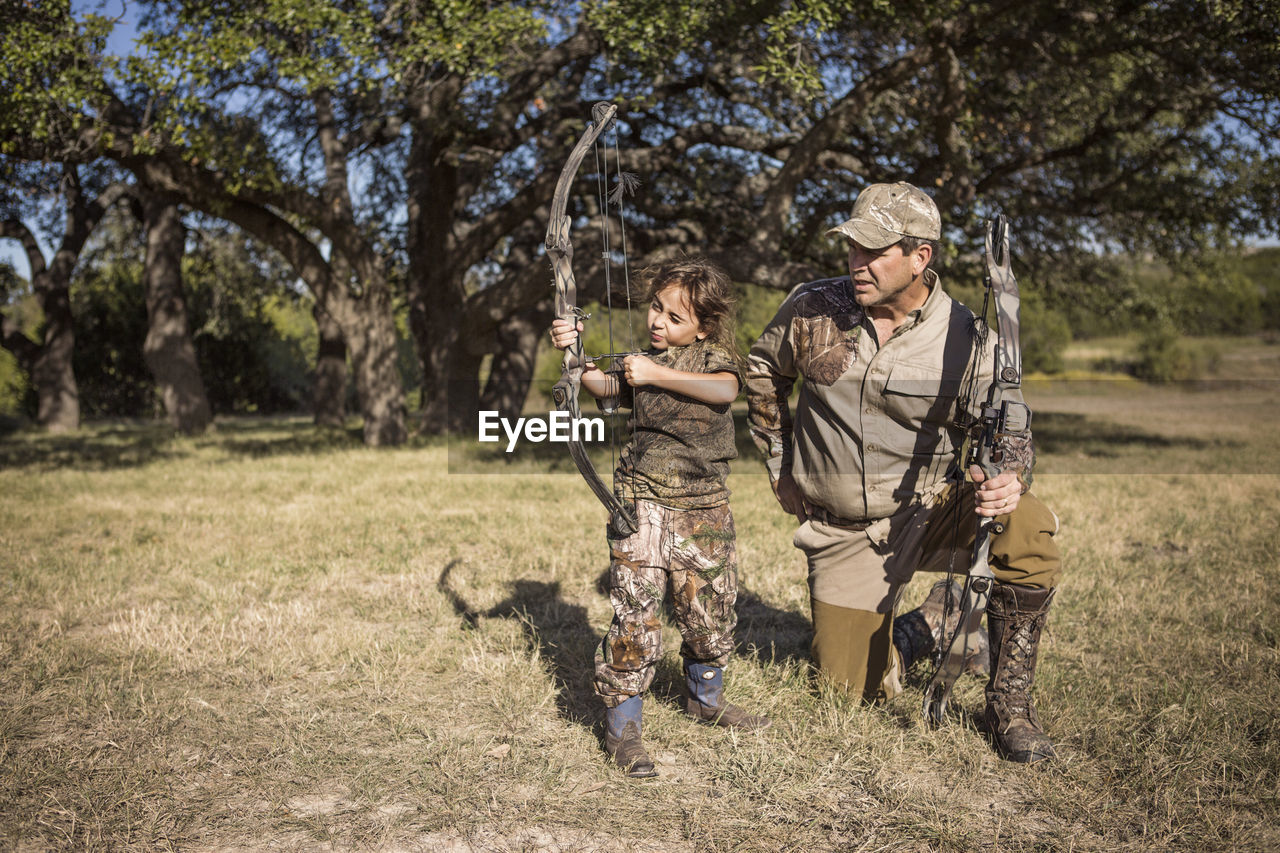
(788, 495)
(997, 496)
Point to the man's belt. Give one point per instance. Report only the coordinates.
(821, 514)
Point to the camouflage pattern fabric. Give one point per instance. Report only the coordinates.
(681, 450)
(690, 553)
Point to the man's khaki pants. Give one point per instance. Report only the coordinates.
(856, 576)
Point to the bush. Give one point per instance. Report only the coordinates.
(1044, 335)
(1163, 356)
(111, 323)
(756, 307)
(13, 385)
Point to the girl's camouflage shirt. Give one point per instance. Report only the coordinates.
(680, 448)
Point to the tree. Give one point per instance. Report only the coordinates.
(64, 99)
(424, 140)
(250, 328)
(48, 361)
(167, 348)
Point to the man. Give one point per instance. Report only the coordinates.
(869, 465)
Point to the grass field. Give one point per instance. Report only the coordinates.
(273, 638)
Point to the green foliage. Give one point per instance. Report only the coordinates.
(470, 38)
(254, 339)
(653, 33)
(1044, 335)
(1211, 297)
(315, 44)
(1262, 268)
(1231, 293)
(1044, 330)
(18, 303)
(756, 307)
(13, 385)
(50, 74)
(249, 363)
(1161, 355)
(110, 314)
(789, 35)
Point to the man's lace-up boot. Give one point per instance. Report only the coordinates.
(1016, 616)
(920, 631)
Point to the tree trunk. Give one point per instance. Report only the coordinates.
(371, 336)
(354, 294)
(367, 319)
(57, 394)
(436, 296)
(450, 375)
(49, 364)
(511, 372)
(329, 393)
(168, 350)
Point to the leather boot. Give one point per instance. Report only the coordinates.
(1016, 616)
(706, 700)
(622, 739)
(918, 632)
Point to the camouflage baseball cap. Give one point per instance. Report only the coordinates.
(885, 213)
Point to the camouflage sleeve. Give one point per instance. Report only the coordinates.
(717, 360)
(1017, 451)
(624, 399)
(771, 373)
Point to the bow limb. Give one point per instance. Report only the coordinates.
(999, 418)
(622, 520)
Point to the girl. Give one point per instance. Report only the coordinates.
(674, 471)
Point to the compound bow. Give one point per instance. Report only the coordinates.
(999, 418)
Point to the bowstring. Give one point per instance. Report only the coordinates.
(626, 280)
(602, 189)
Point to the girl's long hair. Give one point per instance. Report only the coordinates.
(710, 293)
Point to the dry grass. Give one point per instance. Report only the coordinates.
(274, 638)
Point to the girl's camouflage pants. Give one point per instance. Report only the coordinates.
(690, 552)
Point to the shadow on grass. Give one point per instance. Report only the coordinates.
(1072, 434)
(246, 438)
(127, 444)
(771, 634)
(560, 630)
(564, 636)
(99, 448)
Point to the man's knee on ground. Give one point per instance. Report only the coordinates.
(854, 649)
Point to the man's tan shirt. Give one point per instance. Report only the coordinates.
(877, 425)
